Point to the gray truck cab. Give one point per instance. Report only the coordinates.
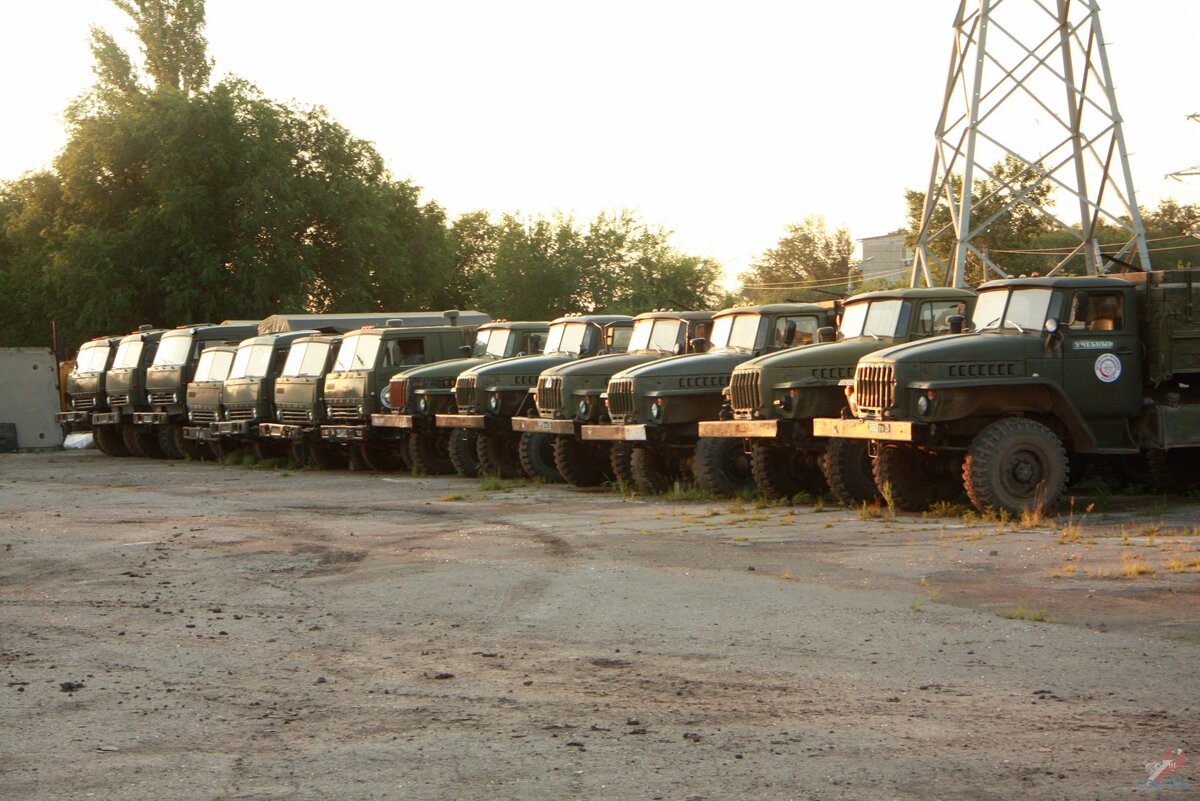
(85, 383)
(203, 401)
(125, 386)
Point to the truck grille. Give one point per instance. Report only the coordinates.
(204, 416)
(162, 397)
(620, 397)
(745, 390)
(398, 393)
(875, 386)
(293, 416)
(118, 398)
(464, 393)
(341, 412)
(88, 402)
(549, 394)
(240, 414)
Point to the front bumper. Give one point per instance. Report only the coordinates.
(890, 430)
(478, 422)
(74, 418)
(150, 418)
(617, 432)
(280, 431)
(200, 434)
(345, 433)
(409, 422)
(740, 429)
(546, 425)
(235, 428)
(106, 418)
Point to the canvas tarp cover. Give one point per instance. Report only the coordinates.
(341, 323)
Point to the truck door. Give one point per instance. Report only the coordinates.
(1102, 366)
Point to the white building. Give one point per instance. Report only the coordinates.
(886, 258)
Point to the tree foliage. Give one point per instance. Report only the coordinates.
(807, 254)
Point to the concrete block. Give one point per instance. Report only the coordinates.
(29, 396)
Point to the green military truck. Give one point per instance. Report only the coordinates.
(169, 374)
(568, 396)
(300, 402)
(125, 385)
(774, 398)
(489, 396)
(357, 386)
(1053, 370)
(86, 394)
(418, 394)
(203, 400)
(657, 407)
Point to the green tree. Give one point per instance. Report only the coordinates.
(808, 254)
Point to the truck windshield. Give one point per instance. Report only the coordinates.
(306, 359)
(213, 365)
(92, 358)
(566, 338)
(491, 342)
(736, 331)
(251, 361)
(874, 319)
(357, 353)
(657, 335)
(128, 353)
(173, 350)
(1022, 309)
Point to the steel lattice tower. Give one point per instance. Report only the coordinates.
(1029, 81)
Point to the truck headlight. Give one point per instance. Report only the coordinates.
(423, 404)
(585, 407)
(656, 410)
(923, 405)
(494, 402)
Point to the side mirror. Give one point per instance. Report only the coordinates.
(956, 322)
(789, 332)
(678, 348)
(465, 350)
(698, 345)
(826, 333)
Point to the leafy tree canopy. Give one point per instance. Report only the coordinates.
(807, 255)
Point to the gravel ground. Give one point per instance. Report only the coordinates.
(197, 632)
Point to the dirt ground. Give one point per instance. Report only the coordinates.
(193, 632)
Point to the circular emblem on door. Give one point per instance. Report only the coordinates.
(1108, 367)
(387, 403)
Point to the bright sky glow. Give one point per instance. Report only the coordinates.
(721, 121)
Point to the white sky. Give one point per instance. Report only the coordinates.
(721, 121)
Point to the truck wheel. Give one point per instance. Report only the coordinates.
(654, 470)
(170, 440)
(582, 464)
(463, 452)
(430, 453)
(196, 451)
(916, 479)
(1175, 470)
(219, 449)
(264, 449)
(141, 442)
(847, 469)
(327, 457)
(620, 458)
(108, 439)
(782, 472)
(499, 455)
(537, 456)
(1015, 464)
(722, 466)
(381, 460)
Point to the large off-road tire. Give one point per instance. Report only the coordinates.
(781, 472)
(846, 466)
(382, 459)
(1176, 470)
(220, 448)
(196, 451)
(141, 441)
(537, 456)
(620, 458)
(463, 451)
(429, 453)
(170, 440)
(1015, 464)
(109, 440)
(655, 470)
(499, 455)
(582, 463)
(722, 466)
(264, 449)
(323, 456)
(916, 479)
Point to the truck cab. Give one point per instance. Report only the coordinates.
(657, 407)
(569, 396)
(125, 386)
(85, 387)
(489, 396)
(418, 394)
(774, 398)
(203, 401)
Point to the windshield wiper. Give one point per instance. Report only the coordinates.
(1014, 325)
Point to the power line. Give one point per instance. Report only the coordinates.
(817, 283)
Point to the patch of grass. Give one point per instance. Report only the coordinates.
(888, 498)
(1072, 531)
(455, 496)
(277, 463)
(948, 509)
(1183, 566)
(238, 457)
(1132, 567)
(916, 606)
(497, 484)
(687, 492)
(869, 510)
(1022, 613)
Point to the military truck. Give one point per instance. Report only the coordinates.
(1052, 369)
(568, 396)
(125, 385)
(86, 394)
(169, 374)
(203, 401)
(774, 398)
(418, 394)
(656, 407)
(248, 395)
(300, 402)
(357, 386)
(489, 396)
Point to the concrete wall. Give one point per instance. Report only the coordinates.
(29, 396)
(886, 257)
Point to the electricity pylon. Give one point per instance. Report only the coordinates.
(1029, 81)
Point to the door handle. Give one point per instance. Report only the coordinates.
(1124, 352)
